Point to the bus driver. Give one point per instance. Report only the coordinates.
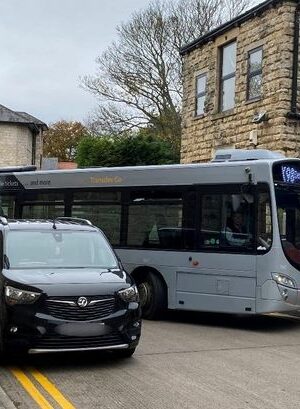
(236, 232)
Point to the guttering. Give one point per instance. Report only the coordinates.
(236, 22)
(294, 114)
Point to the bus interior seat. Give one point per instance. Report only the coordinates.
(170, 237)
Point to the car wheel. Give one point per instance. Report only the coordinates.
(153, 297)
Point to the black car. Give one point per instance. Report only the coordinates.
(63, 289)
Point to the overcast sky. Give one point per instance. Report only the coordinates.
(45, 45)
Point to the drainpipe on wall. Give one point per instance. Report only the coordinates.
(294, 110)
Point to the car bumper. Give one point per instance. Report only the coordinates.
(49, 350)
(42, 333)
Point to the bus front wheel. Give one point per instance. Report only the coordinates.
(153, 296)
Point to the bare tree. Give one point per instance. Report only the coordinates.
(138, 80)
(232, 8)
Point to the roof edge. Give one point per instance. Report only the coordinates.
(31, 125)
(235, 22)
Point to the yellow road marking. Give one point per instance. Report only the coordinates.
(51, 389)
(31, 389)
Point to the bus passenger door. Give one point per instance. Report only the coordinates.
(221, 274)
(269, 253)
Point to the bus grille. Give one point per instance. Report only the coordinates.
(66, 308)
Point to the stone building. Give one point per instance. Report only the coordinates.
(20, 138)
(242, 84)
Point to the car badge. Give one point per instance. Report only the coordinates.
(82, 302)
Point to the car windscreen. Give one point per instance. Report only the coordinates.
(58, 249)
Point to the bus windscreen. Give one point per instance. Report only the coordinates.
(287, 191)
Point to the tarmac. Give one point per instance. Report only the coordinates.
(186, 361)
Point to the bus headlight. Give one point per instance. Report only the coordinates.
(283, 279)
(16, 296)
(129, 294)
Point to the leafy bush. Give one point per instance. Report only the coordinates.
(129, 150)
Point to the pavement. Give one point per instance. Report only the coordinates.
(5, 401)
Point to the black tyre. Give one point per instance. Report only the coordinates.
(153, 296)
(124, 353)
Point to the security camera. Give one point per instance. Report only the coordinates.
(260, 117)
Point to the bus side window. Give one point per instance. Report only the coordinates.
(239, 221)
(264, 227)
(7, 204)
(227, 221)
(162, 219)
(211, 221)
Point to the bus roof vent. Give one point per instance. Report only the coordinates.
(232, 155)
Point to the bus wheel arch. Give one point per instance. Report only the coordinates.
(153, 292)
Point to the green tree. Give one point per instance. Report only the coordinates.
(130, 150)
(62, 138)
(95, 151)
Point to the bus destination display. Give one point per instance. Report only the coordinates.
(287, 173)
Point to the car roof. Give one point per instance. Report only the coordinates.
(46, 224)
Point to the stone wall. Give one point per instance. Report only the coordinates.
(274, 31)
(16, 145)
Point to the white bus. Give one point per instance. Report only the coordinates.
(222, 236)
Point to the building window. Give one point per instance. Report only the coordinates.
(254, 79)
(227, 77)
(200, 93)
